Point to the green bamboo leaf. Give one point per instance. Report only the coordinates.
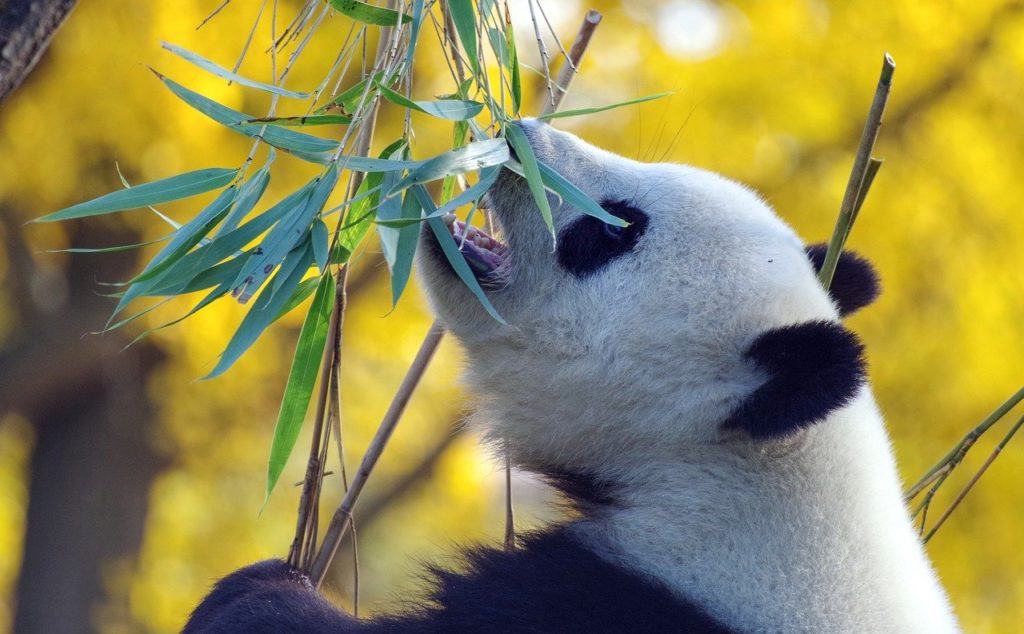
(369, 14)
(301, 378)
(285, 235)
(160, 214)
(513, 62)
(452, 253)
(389, 209)
(582, 111)
(531, 171)
(192, 267)
(299, 295)
(405, 248)
(224, 73)
(465, 24)
(576, 197)
(473, 156)
(288, 140)
(450, 109)
(417, 22)
(460, 131)
(320, 245)
(305, 146)
(248, 195)
(348, 100)
(182, 241)
(190, 234)
(364, 209)
(120, 247)
(472, 194)
(305, 120)
(161, 191)
(203, 303)
(265, 309)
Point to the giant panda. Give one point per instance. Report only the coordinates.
(687, 382)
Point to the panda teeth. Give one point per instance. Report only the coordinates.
(484, 254)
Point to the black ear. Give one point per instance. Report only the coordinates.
(813, 368)
(855, 283)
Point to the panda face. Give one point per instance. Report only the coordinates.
(628, 337)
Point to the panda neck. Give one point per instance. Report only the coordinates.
(817, 539)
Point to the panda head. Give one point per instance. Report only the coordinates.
(625, 344)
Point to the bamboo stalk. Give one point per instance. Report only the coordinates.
(974, 479)
(856, 186)
(571, 66)
(957, 453)
(341, 521)
(300, 555)
(342, 518)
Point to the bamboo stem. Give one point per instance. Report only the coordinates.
(300, 555)
(342, 518)
(856, 186)
(974, 479)
(571, 66)
(957, 453)
(341, 521)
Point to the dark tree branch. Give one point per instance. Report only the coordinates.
(26, 28)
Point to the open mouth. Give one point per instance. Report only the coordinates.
(485, 255)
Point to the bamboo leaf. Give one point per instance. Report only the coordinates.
(193, 268)
(452, 253)
(224, 73)
(161, 191)
(305, 120)
(450, 109)
(531, 171)
(301, 378)
(115, 249)
(265, 309)
(473, 156)
(405, 247)
(248, 195)
(417, 22)
(369, 14)
(487, 178)
(299, 295)
(575, 196)
(561, 114)
(183, 239)
(320, 245)
(190, 234)
(305, 146)
(285, 235)
(465, 24)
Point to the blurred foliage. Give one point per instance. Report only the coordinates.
(772, 94)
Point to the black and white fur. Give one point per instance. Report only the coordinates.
(687, 380)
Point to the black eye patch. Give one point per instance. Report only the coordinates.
(588, 244)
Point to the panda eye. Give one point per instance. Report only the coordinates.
(589, 244)
(614, 232)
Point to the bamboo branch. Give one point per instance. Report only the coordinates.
(341, 521)
(303, 546)
(572, 64)
(342, 518)
(955, 455)
(974, 479)
(856, 188)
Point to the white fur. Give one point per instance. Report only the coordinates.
(629, 373)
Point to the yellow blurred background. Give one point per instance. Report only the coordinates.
(126, 486)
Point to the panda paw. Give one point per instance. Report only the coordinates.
(814, 368)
